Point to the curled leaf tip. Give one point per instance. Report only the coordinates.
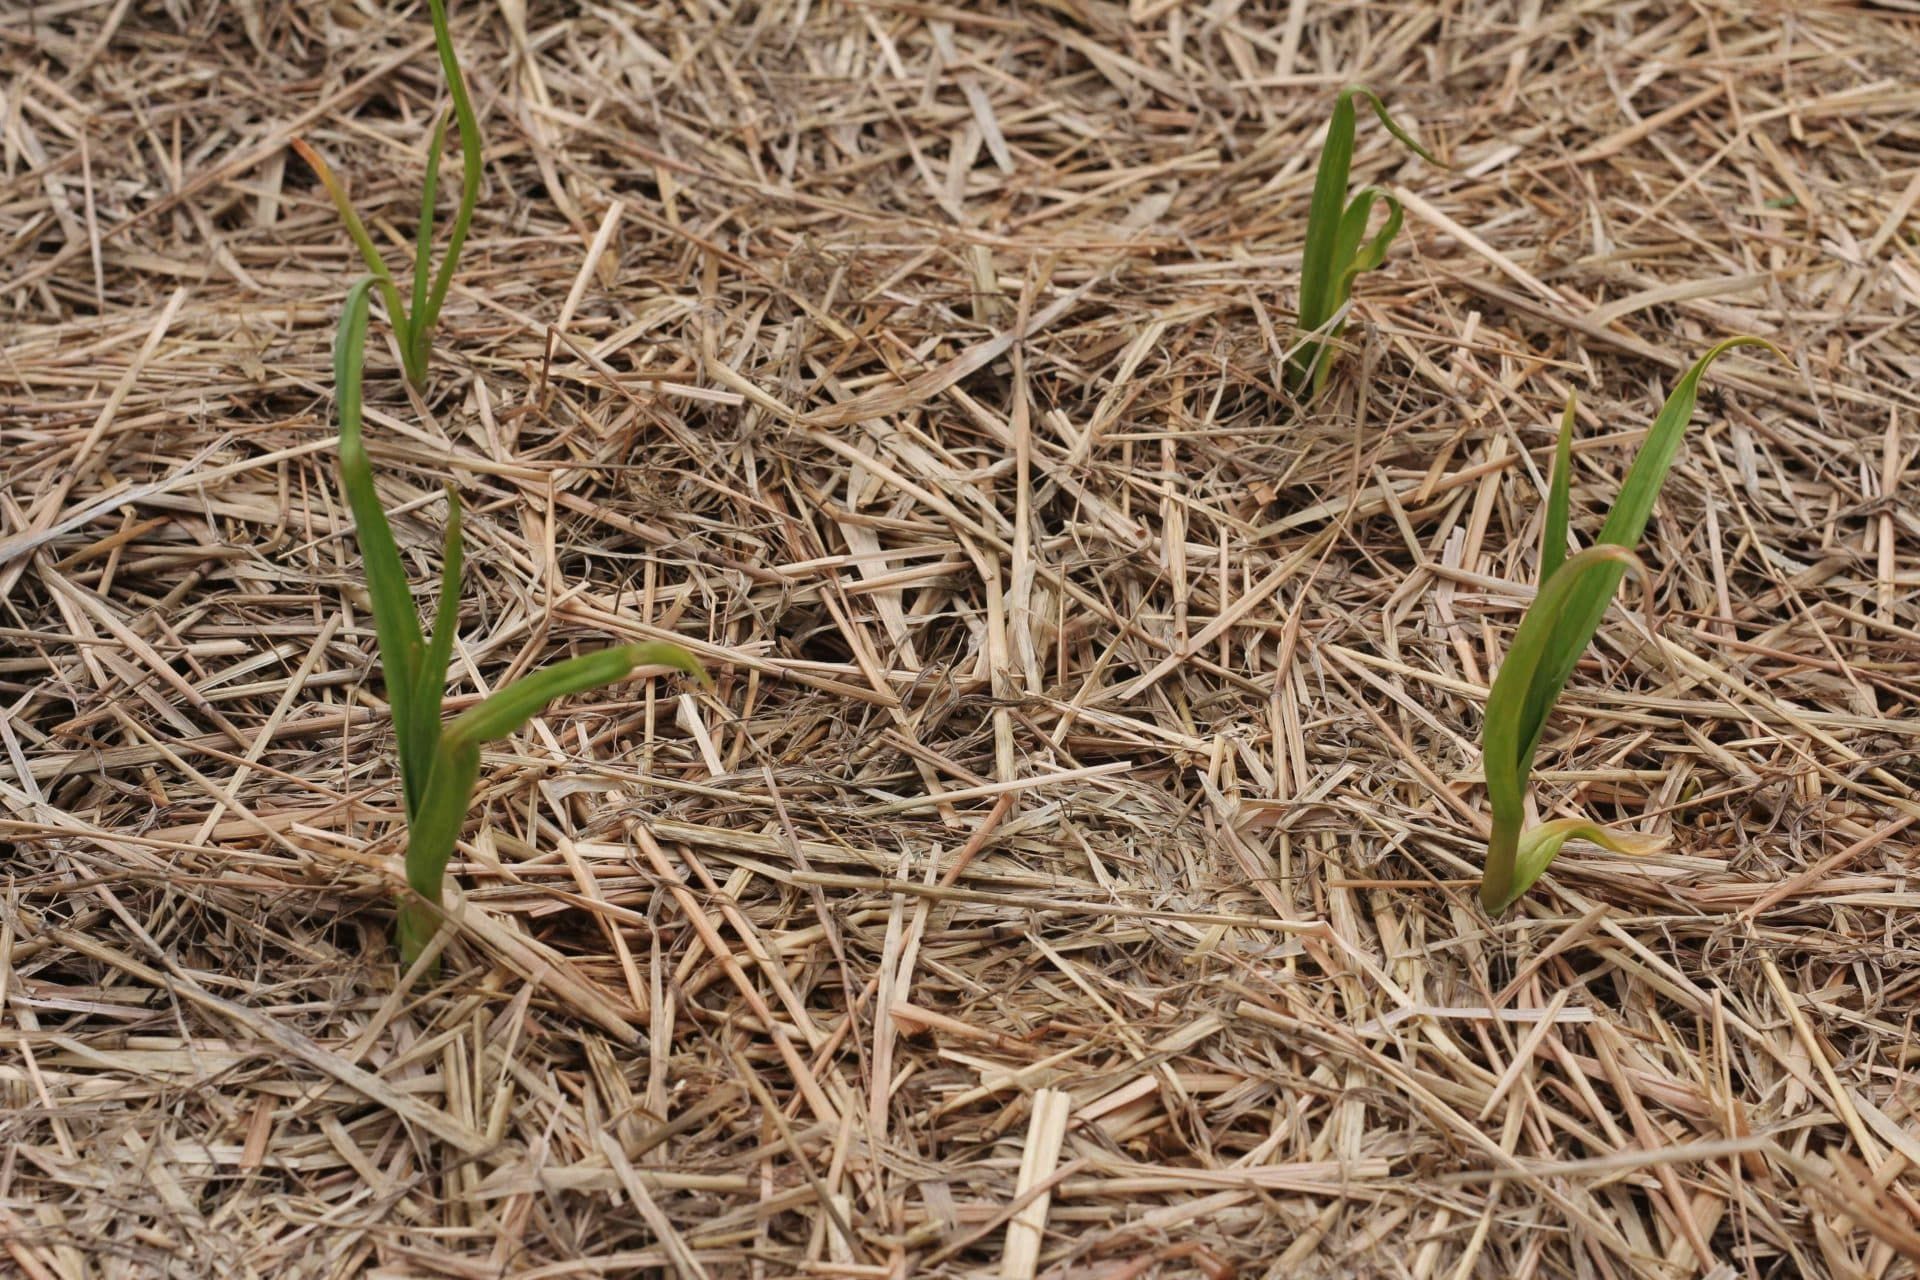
(660, 653)
(1392, 126)
(1740, 340)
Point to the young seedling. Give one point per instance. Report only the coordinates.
(1338, 249)
(1554, 632)
(414, 319)
(439, 763)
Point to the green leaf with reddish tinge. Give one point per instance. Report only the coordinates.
(415, 318)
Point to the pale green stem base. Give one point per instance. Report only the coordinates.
(418, 922)
(1496, 882)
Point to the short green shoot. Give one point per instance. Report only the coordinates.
(414, 318)
(1572, 599)
(1338, 248)
(440, 762)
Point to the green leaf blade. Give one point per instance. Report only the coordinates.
(1524, 690)
(396, 624)
(423, 233)
(432, 835)
(467, 125)
(357, 232)
(1324, 215)
(1540, 845)
(519, 702)
(1627, 521)
(430, 681)
(1368, 254)
(1337, 249)
(1346, 252)
(1631, 510)
(1524, 681)
(1553, 533)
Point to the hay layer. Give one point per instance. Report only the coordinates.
(1072, 869)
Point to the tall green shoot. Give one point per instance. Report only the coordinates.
(415, 317)
(439, 762)
(1338, 248)
(1572, 599)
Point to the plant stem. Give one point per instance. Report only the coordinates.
(414, 929)
(1496, 883)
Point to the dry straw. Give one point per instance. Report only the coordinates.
(715, 998)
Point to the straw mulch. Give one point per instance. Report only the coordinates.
(1071, 871)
